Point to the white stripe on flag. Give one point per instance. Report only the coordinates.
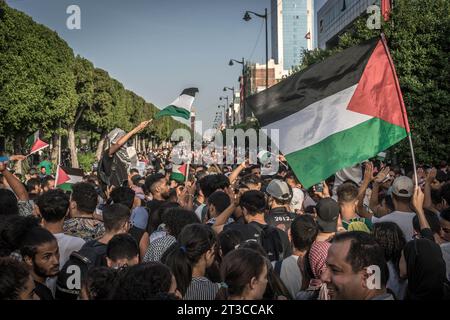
(184, 101)
(317, 122)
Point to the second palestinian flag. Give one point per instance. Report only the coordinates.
(335, 113)
(66, 177)
(178, 173)
(181, 107)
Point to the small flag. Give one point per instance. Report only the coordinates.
(66, 177)
(178, 173)
(336, 113)
(181, 107)
(35, 144)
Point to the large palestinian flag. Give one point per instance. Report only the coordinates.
(335, 113)
(181, 107)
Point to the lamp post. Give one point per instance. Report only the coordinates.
(232, 104)
(227, 105)
(224, 116)
(247, 17)
(243, 82)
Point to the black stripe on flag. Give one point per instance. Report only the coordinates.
(190, 92)
(73, 171)
(313, 84)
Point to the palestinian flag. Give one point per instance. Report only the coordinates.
(336, 113)
(35, 144)
(181, 107)
(66, 177)
(178, 173)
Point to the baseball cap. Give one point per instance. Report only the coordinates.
(327, 214)
(279, 190)
(403, 187)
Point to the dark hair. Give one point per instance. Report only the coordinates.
(250, 179)
(212, 182)
(228, 240)
(13, 230)
(390, 237)
(237, 270)
(100, 282)
(32, 184)
(436, 197)
(134, 170)
(122, 246)
(347, 192)
(13, 278)
(85, 196)
(220, 200)
(115, 215)
(304, 230)
(53, 205)
(175, 219)
(8, 203)
(144, 281)
(364, 252)
(156, 213)
(445, 192)
(35, 237)
(123, 195)
(254, 201)
(151, 180)
(193, 241)
(445, 214)
(46, 180)
(433, 221)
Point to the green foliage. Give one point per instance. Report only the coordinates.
(418, 36)
(43, 83)
(86, 161)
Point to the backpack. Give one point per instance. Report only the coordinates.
(74, 271)
(269, 238)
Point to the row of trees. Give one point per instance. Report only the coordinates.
(43, 86)
(418, 35)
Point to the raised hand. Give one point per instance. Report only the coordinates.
(382, 175)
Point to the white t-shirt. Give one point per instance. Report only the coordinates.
(445, 247)
(402, 219)
(297, 199)
(67, 244)
(290, 274)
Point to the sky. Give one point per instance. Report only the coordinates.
(157, 48)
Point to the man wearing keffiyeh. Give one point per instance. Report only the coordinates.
(119, 156)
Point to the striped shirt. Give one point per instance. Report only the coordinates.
(201, 288)
(157, 248)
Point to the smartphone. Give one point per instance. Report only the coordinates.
(319, 187)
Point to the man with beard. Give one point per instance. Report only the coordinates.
(158, 186)
(118, 157)
(40, 252)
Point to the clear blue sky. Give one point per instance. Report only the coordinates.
(156, 48)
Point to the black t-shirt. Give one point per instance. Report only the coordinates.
(280, 218)
(42, 291)
(250, 231)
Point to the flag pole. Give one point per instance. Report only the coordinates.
(402, 103)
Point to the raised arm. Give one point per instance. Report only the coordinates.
(428, 203)
(235, 174)
(116, 146)
(17, 187)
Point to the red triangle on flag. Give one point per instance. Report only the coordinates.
(378, 93)
(61, 177)
(182, 169)
(38, 145)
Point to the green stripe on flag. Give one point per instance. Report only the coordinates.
(65, 186)
(177, 177)
(343, 149)
(174, 112)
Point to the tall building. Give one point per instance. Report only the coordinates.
(336, 16)
(292, 30)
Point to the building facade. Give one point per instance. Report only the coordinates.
(292, 31)
(336, 16)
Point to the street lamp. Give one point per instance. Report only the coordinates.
(225, 108)
(243, 83)
(247, 17)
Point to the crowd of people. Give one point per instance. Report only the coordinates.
(224, 232)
